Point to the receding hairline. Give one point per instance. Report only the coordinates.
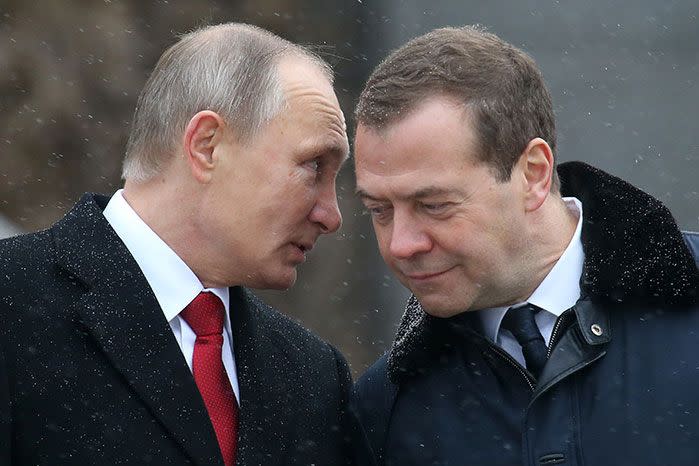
(218, 32)
(382, 126)
(229, 68)
(465, 110)
(289, 53)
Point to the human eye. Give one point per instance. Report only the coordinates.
(315, 165)
(317, 170)
(435, 207)
(378, 212)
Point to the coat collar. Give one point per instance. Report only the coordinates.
(267, 373)
(119, 310)
(634, 250)
(634, 253)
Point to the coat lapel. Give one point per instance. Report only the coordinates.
(122, 314)
(269, 409)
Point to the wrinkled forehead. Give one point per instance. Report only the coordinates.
(308, 89)
(438, 124)
(311, 110)
(297, 73)
(382, 117)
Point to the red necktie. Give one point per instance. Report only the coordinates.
(205, 316)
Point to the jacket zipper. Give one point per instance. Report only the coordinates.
(554, 334)
(506, 356)
(552, 342)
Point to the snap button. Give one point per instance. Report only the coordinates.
(554, 458)
(596, 329)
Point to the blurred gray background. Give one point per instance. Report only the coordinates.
(623, 76)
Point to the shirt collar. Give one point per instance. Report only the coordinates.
(559, 290)
(172, 281)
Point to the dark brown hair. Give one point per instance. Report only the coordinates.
(498, 83)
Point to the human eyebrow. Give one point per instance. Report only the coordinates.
(363, 195)
(432, 191)
(429, 191)
(332, 147)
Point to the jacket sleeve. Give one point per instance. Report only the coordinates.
(355, 443)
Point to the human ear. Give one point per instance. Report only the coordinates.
(537, 166)
(203, 133)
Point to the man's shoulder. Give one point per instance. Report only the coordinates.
(692, 240)
(39, 247)
(275, 323)
(24, 243)
(374, 389)
(376, 374)
(35, 268)
(28, 279)
(22, 255)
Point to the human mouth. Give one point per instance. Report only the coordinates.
(300, 250)
(426, 276)
(304, 247)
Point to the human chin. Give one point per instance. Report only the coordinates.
(282, 279)
(441, 305)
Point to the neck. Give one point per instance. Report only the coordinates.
(168, 207)
(552, 228)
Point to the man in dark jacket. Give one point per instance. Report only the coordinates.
(128, 335)
(554, 315)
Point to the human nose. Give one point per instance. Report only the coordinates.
(408, 238)
(326, 212)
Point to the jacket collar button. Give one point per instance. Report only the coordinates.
(596, 329)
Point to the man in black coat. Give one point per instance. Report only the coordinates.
(554, 315)
(128, 336)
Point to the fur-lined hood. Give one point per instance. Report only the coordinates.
(634, 253)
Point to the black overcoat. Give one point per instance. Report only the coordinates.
(90, 372)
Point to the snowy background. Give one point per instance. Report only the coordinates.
(623, 76)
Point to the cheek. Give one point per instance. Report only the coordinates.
(287, 208)
(456, 237)
(383, 240)
(297, 186)
(468, 244)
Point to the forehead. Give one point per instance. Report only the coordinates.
(437, 135)
(432, 150)
(311, 104)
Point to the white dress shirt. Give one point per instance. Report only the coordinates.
(557, 293)
(172, 281)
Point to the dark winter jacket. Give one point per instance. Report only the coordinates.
(621, 386)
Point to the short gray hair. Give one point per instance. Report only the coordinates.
(230, 69)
